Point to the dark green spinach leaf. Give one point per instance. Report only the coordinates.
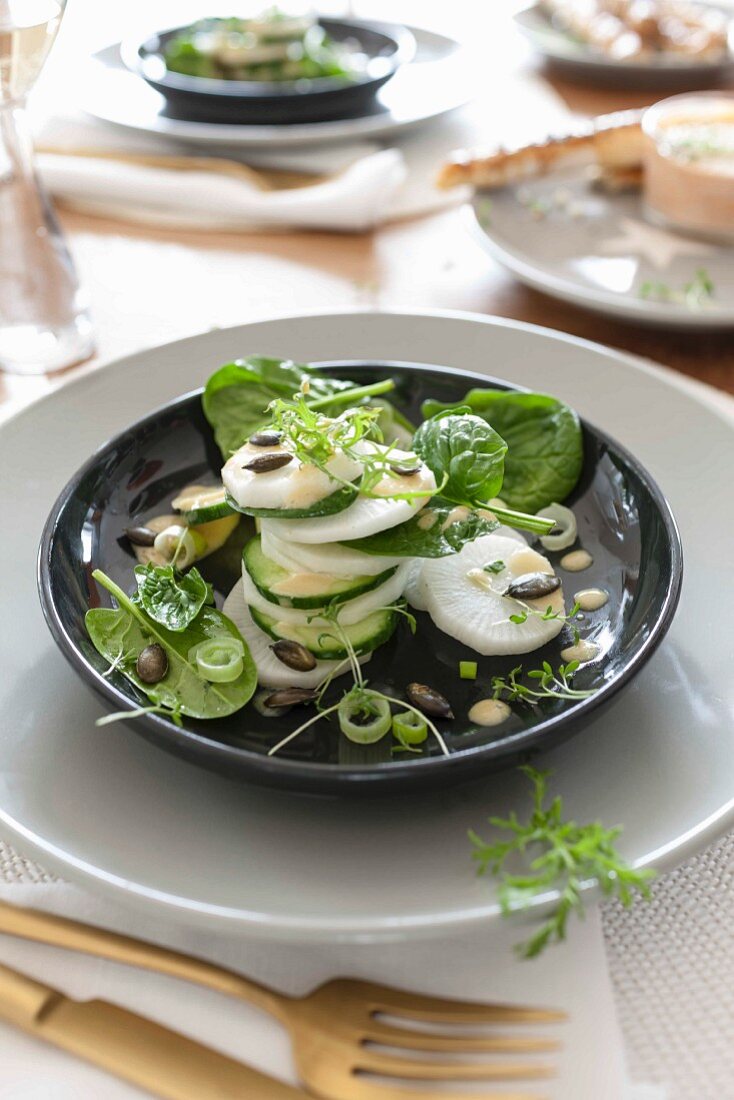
(237, 395)
(427, 534)
(465, 454)
(545, 445)
(120, 634)
(173, 599)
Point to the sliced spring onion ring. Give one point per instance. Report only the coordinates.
(409, 729)
(219, 660)
(364, 716)
(180, 545)
(563, 518)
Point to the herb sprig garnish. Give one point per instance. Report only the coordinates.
(315, 439)
(547, 684)
(568, 856)
(546, 616)
(694, 294)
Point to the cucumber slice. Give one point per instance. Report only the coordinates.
(323, 642)
(215, 534)
(306, 589)
(327, 506)
(202, 504)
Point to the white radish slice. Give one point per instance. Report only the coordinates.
(466, 602)
(366, 516)
(415, 592)
(415, 585)
(352, 611)
(271, 672)
(339, 561)
(296, 485)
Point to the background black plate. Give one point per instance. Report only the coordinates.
(623, 520)
(266, 103)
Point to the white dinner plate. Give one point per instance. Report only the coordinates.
(104, 807)
(577, 60)
(434, 83)
(561, 235)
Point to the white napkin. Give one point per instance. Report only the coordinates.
(372, 185)
(353, 200)
(572, 976)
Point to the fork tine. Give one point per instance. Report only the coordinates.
(389, 1065)
(377, 1032)
(396, 1002)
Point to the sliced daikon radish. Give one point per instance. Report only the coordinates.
(415, 592)
(415, 587)
(340, 561)
(271, 672)
(351, 611)
(366, 516)
(296, 485)
(464, 597)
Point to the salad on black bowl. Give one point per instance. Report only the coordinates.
(273, 68)
(352, 576)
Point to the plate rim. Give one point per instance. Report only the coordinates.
(380, 777)
(602, 302)
(203, 914)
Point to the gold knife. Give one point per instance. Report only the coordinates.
(145, 1053)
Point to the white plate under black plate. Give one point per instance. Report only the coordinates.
(580, 61)
(433, 84)
(560, 235)
(106, 808)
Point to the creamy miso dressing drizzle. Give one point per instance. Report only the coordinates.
(393, 484)
(489, 712)
(306, 486)
(427, 521)
(303, 584)
(456, 515)
(581, 651)
(591, 599)
(481, 579)
(526, 560)
(576, 561)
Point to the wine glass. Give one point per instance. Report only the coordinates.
(43, 320)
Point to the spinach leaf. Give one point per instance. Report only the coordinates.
(464, 453)
(237, 395)
(173, 599)
(545, 445)
(427, 534)
(120, 634)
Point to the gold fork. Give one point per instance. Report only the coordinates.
(346, 1033)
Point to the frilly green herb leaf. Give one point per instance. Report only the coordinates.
(558, 856)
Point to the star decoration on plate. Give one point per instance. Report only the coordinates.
(656, 245)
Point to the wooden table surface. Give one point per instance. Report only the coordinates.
(150, 286)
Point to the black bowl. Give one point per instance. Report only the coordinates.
(623, 520)
(200, 99)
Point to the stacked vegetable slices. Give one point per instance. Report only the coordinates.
(299, 583)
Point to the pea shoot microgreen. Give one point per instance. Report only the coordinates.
(547, 616)
(547, 684)
(561, 856)
(360, 696)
